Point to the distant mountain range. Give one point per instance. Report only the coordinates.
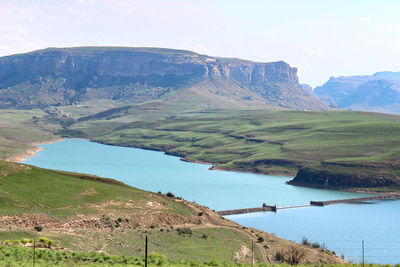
(63, 76)
(379, 92)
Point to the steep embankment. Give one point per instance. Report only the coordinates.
(88, 213)
(345, 176)
(64, 76)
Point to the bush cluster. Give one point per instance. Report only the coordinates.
(21, 256)
(184, 231)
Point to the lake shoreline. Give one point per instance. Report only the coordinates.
(32, 153)
(220, 190)
(215, 168)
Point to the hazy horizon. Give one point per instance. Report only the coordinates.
(320, 38)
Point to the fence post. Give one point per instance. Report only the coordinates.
(145, 253)
(363, 260)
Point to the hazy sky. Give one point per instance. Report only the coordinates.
(322, 38)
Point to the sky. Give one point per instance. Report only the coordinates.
(322, 38)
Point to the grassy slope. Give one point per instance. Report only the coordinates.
(88, 213)
(26, 189)
(20, 256)
(18, 131)
(267, 141)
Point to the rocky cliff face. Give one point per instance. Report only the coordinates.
(331, 179)
(65, 76)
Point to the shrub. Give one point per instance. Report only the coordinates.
(260, 239)
(315, 245)
(184, 231)
(201, 213)
(46, 242)
(107, 221)
(278, 256)
(38, 228)
(305, 241)
(213, 263)
(26, 240)
(204, 236)
(157, 259)
(169, 194)
(293, 255)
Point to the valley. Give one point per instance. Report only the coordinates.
(236, 115)
(334, 149)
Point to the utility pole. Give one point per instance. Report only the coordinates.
(33, 259)
(363, 260)
(252, 253)
(145, 253)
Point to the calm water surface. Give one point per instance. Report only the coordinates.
(340, 227)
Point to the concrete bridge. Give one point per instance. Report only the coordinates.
(389, 196)
(275, 208)
(264, 207)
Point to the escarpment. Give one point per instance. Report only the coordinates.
(64, 76)
(340, 180)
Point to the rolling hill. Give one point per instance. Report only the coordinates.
(91, 214)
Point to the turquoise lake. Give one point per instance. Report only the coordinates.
(340, 227)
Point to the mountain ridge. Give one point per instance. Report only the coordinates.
(379, 92)
(63, 76)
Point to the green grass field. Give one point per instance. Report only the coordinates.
(21, 256)
(26, 189)
(18, 131)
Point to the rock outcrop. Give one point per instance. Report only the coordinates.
(62, 76)
(331, 179)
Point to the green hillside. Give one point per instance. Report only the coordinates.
(91, 214)
(352, 149)
(333, 149)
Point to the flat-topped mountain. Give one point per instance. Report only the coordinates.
(379, 92)
(63, 76)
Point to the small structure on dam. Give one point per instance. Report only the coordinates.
(356, 200)
(275, 208)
